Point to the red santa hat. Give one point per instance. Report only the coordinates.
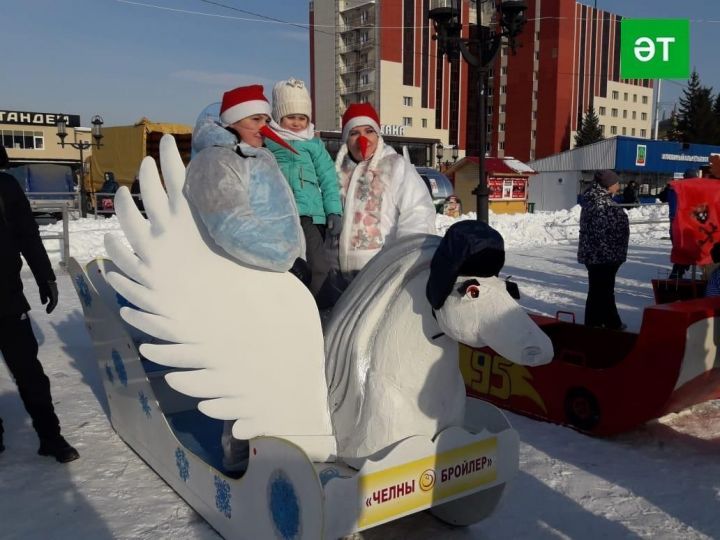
(359, 114)
(242, 102)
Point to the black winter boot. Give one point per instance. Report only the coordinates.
(58, 448)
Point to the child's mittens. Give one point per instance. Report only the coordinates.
(334, 224)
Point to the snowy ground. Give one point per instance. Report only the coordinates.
(660, 481)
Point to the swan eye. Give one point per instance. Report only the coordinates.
(473, 291)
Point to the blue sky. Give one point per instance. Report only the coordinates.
(124, 59)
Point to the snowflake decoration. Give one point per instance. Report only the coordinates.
(183, 464)
(144, 403)
(109, 373)
(119, 367)
(83, 290)
(328, 474)
(123, 302)
(223, 497)
(284, 505)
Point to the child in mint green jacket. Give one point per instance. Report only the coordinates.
(312, 178)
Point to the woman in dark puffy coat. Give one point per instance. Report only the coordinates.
(604, 235)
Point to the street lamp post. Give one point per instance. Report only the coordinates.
(97, 135)
(478, 53)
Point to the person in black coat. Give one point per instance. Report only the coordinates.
(18, 346)
(630, 193)
(603, 245)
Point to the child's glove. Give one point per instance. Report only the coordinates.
(334, 224)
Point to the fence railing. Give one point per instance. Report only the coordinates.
(53, 203)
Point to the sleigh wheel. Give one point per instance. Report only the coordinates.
(465, 511)
(582, 409)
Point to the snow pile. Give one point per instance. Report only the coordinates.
(519, 230)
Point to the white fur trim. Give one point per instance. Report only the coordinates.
(245, 109)
(359, 121)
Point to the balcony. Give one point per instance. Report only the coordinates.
(356, 45)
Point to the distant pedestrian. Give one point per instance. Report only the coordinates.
(713, 284)
(630, 193)
(19, 235)
(604, 236)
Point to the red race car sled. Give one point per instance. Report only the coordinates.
(603, 381)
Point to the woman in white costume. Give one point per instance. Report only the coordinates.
(383, 196)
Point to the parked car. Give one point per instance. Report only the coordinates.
(438, 185)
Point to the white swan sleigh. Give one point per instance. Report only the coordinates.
(187, 339)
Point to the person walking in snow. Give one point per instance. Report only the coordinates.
(19, 236)
(310, 171)
(383, 196)
(603, 245)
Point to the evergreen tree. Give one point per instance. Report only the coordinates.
(697, 122)
(589, 130)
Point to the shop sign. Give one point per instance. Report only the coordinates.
(684, 157)
(390, 129)
(26, 118)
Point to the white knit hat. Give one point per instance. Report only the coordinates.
(242, 102)
(290, 97)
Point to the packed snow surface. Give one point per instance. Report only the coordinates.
(659, 481)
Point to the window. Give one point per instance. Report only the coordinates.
(616, 94)
(537, 55)
(624, 113)
(25, 140)
(489, 110)
(364, 37)
(634, 115)
(364, 78)
(424, 122)
(534, 115)
(644, 100)
(643, 116)
(407, 101)
(537, 35)
(502, 127)
(632, 132)
(613, 130)
(502, 109)
(503, 89)
(625, 96)
(534, 134)
(614, 113)
(624, 130)
(407, 121)
(504, 51)
(501, 145)
(503, 70)
(634, 98)
(363, 98)
(602, 129)
(602, 111)
(534, 94)
(643, 133)
(363, 17)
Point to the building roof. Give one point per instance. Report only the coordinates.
(495, 165)
(629, 154)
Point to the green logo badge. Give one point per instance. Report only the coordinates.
(654, 48)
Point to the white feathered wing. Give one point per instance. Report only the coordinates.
(252, 339)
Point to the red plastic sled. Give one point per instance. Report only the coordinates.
(602, 381)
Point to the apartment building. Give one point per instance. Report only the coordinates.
(567, 60)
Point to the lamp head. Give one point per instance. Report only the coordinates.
(97, 123)
(513, 17)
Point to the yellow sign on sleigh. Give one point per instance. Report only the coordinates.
(393, 492)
